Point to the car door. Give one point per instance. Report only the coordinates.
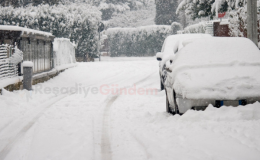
(169, 79)
(168, 86)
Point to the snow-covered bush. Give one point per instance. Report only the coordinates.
(79, 23)
(208, 8)
(196, 28)
(238, 20)
(141, 41)
(175, 27)
(17, 56)
(238, 23)
(64, 52)
(196, 8)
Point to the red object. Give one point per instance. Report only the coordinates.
(221, 15)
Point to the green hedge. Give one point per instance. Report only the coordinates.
(142, 41)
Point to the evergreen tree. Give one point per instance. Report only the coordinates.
(201, 8)
(50, 2)
(166, 12)
(14, 3)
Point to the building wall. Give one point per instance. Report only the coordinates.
(221, 30)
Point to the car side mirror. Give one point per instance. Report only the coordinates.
(159, 56)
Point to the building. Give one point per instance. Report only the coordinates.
(37, 46)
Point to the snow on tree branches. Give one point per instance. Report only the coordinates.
(79, 23)
(166, 12)
(141, 41)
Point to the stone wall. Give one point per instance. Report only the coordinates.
(36, 79)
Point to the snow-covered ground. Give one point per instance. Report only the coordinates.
(77, 115)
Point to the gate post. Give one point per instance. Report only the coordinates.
(27, 75)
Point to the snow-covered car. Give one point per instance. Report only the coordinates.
(171, 46)
(217, 71)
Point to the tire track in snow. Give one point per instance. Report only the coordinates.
(14, 139)
(105, 140)
(4, 152)
(142, 80)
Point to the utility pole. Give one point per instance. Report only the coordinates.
(101, 28)
(252, 21)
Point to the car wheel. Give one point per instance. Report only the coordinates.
(175, 103)
(168, 108)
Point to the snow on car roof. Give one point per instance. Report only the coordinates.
(218, 50)
(23, 29)
(174, 42)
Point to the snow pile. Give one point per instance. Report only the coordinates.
(57, 125)
(27, 64)
(222, 134)
(64, 52)
(17, 57)
(231, 114)
(222, 68)
(141, 41)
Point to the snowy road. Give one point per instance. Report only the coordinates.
(79, 115)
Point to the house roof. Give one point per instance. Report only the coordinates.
(24, 30)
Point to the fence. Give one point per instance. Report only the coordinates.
(7, 68)
(210, 28)
(37, 51)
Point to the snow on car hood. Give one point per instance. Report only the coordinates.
(217, 68)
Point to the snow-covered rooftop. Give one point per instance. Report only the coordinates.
(27, 30)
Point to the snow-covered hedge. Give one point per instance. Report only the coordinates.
(196, 28)
(141, 41)
(238, 22)
(64, 52)
(79, 23)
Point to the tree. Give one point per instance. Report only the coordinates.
(110, 7)
(50, 2)
(166, 12)
(79, 23)
(182, 17)
(201, 8)
(134, 18)
(175, 27)
(15, 3)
